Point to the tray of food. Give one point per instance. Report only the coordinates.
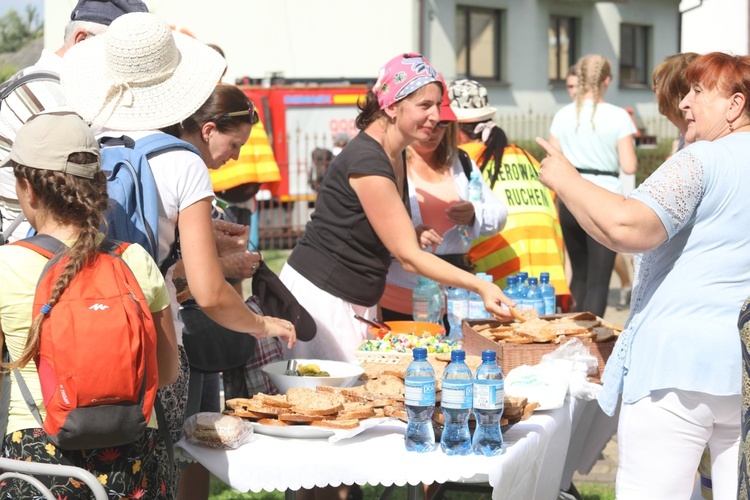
(528, 337)
(394, 348)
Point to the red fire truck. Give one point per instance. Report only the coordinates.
(298, 119)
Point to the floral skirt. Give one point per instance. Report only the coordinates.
(136, 470)
(743, 489)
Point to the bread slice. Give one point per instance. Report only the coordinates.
(583, 316)
(347, 423)
(299, 418)
(238, 403)
(388, 386)
(317, 408)
(523, 315)
(273, 421)
(395, 411)
(603, 333)
(278, 400)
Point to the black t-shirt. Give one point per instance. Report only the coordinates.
(340, 252)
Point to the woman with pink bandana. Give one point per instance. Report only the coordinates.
(361, 220)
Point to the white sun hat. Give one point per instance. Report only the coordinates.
(469, 101)
(139, 75)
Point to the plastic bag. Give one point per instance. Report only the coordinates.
(215, 430)
(584, 364)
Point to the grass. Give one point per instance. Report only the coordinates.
(220, 491)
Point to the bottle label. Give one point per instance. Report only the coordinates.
(419, 391)
(549, 305)
(489, 394)
(476, 309)
(458, 310)
(421, 310)
(456, 394)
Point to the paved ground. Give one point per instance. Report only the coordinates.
(605, 469)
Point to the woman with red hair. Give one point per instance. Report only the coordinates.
(677, 364)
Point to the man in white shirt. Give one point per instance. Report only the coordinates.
(88, 18)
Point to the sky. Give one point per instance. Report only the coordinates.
(20, 5)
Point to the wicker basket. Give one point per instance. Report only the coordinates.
(510, 356)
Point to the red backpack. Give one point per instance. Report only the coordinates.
(97, 357)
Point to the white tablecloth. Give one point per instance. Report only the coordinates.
(531, 467)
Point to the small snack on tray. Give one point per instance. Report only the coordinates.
(528, 330)
(405, 343)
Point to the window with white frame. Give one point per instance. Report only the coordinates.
(563, 48)
(634, 60)
(478, 43)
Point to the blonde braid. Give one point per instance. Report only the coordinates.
(592, 70)
(581, 72)
(71, 200)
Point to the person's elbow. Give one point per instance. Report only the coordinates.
(635, 234)
(168, 373)
(630, 165)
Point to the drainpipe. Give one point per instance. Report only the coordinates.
(421, 28)
(679, 23)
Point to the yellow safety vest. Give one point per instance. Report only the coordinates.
(255, 164)
(531, 240)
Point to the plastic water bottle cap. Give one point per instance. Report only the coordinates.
(533, 281)
(419, 352)
(488, 355)
(458, 355)
(544, 275)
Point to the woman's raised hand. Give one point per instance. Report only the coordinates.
(461, 213)
(555, 168)
(493, 297)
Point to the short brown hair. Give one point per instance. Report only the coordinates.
(670, 83)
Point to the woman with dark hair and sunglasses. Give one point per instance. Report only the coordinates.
(218, 129)
(438, 185)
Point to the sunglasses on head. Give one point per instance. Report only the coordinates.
(250, 112)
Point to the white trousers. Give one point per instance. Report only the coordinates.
(661, 439)
(339, 333)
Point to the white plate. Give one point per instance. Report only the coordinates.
(293, 431)
(313, 432)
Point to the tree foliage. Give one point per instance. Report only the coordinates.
(17, 29)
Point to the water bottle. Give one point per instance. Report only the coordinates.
(456, 405)
(474, 195)
(489, 398)
(439, 296)
(534, 297)
(419, 399)
(458, 309)
(426, 301)
(522, 286)
(548, 293)
(476, 304)
(510, 289)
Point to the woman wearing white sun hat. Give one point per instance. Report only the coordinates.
(531, 240)
(133, 80)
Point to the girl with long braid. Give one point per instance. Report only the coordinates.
(63, 192)
(597, 138)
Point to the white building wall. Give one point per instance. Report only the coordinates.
(353, 38)
(715, 26)
(298, 38)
